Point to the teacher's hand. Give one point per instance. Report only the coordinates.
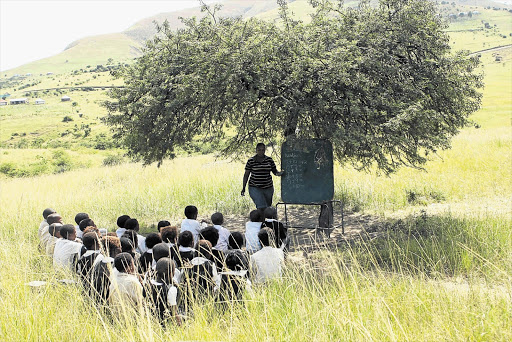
(280, 173)
(242, 193)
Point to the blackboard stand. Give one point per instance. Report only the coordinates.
(328, 208)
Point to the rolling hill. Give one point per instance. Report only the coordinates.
(126, 45)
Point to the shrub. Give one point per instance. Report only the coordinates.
(102, 142)
(61, 161)
(8, 169)
(67, 118)
(113, 159)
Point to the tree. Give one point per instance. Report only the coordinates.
(380, 82)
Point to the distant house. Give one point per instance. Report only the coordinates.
(3, 103)
(28, 74)
(39, 101)
(65, 98)
(49, 73)
(22, 100)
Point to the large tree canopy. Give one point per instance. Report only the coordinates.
(380, 82)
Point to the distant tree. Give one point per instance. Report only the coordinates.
(380, 83)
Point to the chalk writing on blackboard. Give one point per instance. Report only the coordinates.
(308, 166)
(320, 158)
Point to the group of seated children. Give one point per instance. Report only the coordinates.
(170, 269)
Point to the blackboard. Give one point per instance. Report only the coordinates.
(308, 167)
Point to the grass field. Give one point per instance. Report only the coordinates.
(439, 277)
(438, 266)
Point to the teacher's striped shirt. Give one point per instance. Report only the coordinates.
(260, 172)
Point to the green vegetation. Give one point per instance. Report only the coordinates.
(451, 272)
(436, 264)
(381, 83)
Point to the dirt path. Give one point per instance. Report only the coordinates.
(496, 48)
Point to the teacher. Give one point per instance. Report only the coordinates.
(261, 187)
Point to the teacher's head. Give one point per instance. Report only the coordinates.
(260, 149)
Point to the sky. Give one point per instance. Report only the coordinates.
(34, 29)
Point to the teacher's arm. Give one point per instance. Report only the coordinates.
(246, 178)
(274, 170)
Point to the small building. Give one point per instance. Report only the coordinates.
(39, 101)
(65, 98)
(28, 74)
(49, 73)
(3, 103)
(22, 100)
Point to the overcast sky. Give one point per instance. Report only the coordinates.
(35, 29)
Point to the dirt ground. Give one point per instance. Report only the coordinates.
(304, 232)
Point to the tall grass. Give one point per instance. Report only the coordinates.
(424, 278)
(338, 299)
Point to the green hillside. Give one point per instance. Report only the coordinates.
(87, 51)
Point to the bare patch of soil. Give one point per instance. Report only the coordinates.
(305, 234)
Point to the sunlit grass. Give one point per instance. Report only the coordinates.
(327, 296)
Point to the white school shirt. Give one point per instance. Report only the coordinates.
(124, 288)
(41, 227)
(45, 236)
(223, 243)
(192, 226)
(267, 263)
(252, 243)
(50, 245)
(65, 251)
(141, 248)
(120, 232)
(79, 233)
